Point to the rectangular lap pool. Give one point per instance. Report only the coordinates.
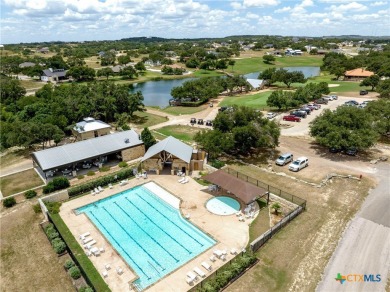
(148, 232)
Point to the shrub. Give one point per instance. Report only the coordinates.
(53, 207)
(58, 183)
(9, 202)
(52, 234)
(217, 163)
(48, 226)
(80, 176)
(90, 173)
(59, 245)
(86, 289)
(37, 208)
(30, 194)
(74, 272)
(104, 169)
(122, 164)
(68, 264)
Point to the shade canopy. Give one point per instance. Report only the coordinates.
(243, 190)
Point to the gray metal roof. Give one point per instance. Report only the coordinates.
(79, 151)
(54, 72)
(90, 124)
(173, 146)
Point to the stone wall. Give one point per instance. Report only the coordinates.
(133, 153)
(57, 197)
(179, 164)
(200, 164)
(152, 163)
(90, 134)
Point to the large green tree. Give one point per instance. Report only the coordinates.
(147, 138)
(372, 81)
(268, 59)
(346, 127)
(380, 112)
(128, 72)
(82, 73)
(107, 72)
(383, 88)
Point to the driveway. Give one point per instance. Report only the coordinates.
(364, 247)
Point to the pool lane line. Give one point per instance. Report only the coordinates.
(189, 252)
(119, 245)
(168, 219)
(134, 239)
(151, 237)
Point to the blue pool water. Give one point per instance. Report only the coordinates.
(148, 233)
(223, 205)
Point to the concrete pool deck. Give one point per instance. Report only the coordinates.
(226, 230)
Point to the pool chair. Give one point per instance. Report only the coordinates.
(188, 216)
(119, 270)
(241, 218)
(107, 267)
(233, 251)
(89, 244)
(182, 179)
(186, 180)
(199, 272)
(213, 258)
(95, 251)
(86, 240)
(102, 249)
(206, 266)
(105, 274)
(84, 235)
(110, 186)
(192, 276)
(223, 257)
(93, 193)
(238, 213)
(217, 253)
(88, 253)
(189, 281)
(100, 189)
(96, 190)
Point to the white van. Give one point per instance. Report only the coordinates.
(298, 164)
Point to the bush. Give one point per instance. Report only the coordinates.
(52, 234)
(30, 194)
(68, 264)
(9, 202)
(59, 245)
(104, 169)
(122, 164)
(37, 208)
(80, 176)
(74, 272)
(58, 183)
(53, 207)
(48, 226)
(217, 163)
(86, 289)
(101, 181)
(90, 173)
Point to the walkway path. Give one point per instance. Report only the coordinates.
(364, 247)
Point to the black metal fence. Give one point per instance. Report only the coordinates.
(271, 189)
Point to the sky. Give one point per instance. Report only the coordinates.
(87, 20)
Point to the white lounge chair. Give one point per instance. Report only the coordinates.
(100, 189)
(192, 276)
(107, 267)
(186, 180)
(110, 186)
(102, 249)
(233, 251)
(84, 235)
(213, 258)
(119, 270)
(241, 218)
(189, 281)
(95, 251)
(93, 193)
(238, 213)
(223, 257)
(89, 244)
(188, 216)
(96, 190)
(206, 265)
(88, 253)
(217, 253)
(182, 179)
(199, 272)
(88, 239)
(105, 274)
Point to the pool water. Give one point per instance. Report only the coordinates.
(223, 205)
(149, 234)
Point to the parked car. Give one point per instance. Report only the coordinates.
(334, 96)
(291, 118)
(328, 98)
(351, 151)
(284, 159)
(321, 101)
(306, 109)
(193, 121)
(351, 103)
(315, 105)
(362, 105)
(311, 107)
(299, 113)
(271, 115)
(334, 150)
(211, 104)
(298, 164)
(363, 92)
(222, 108)
(209, 123)
(200, 122)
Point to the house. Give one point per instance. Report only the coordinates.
(44, 50)
(256, 84)
(357, 74)
(90, 128)
(54, 75)
(173, 156)
(268, 46)
(79, 157)
(117, 68)
(26, 64)
(101, 53)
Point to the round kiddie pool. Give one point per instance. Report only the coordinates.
(223, 205)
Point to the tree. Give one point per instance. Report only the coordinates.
(214, 142)
(74, 61)
(136, 103)
(288, 78)
(380, 112)
(147, 138)
(11, 90)
(313, 51)
(57, 62)
(128, 72)
(232, 63)
(383, 88)
(268, 59)
(108, 59)
(278, 99)
(276, 207)
(344, 128)
(107, 72)
(124, 59)
(372, 81)
(82, 73)
(268, 75)
(140, 66)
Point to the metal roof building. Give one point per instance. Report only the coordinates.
(70, 154)
(90, 124)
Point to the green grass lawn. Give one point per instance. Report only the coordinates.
(343, 86)
(184, 133)
(18, 182)
(145, 119)
(183, 110)
(256, 101)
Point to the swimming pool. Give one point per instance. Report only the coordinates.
(148, 232)
(223, 205)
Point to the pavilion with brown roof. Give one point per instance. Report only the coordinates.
(243, 190)
(357, 74)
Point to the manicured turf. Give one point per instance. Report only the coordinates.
(184, 133)
(257, 101)
(343, 86)
(85, 263)
(145, 119)
(183, 110)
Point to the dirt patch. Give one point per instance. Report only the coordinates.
(18, 182)
(28, 262)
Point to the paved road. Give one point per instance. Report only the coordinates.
(23, 164)
(365, 245)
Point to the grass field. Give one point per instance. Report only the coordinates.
(183, 110)
(256, 101)
(343, 86)
(184, 133)
(145, 119)
(32, 84)
(28, 262)
(13, 157)
(93, 62)
(18, 182)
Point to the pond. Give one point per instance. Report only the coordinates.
(307, 71)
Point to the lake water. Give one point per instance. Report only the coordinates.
(158, 93)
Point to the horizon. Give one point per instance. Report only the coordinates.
(29, 21)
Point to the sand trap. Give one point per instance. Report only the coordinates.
(333, 85)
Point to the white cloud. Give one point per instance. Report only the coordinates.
(379, 3)
(259, 3)
(306, 3)
(236, 5)
(284, 9)
(353, 6)
(252, 15)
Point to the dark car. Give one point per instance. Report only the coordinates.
(312, 107)
(351, 151)
(363, 92)
(306, 109)
(193, 121)
(301, 114)
(222, 108)
(351, 103)
(291, 118)
(200, 121)
(334, 150)
(321, 101)
(315, 105)
(209, 123)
